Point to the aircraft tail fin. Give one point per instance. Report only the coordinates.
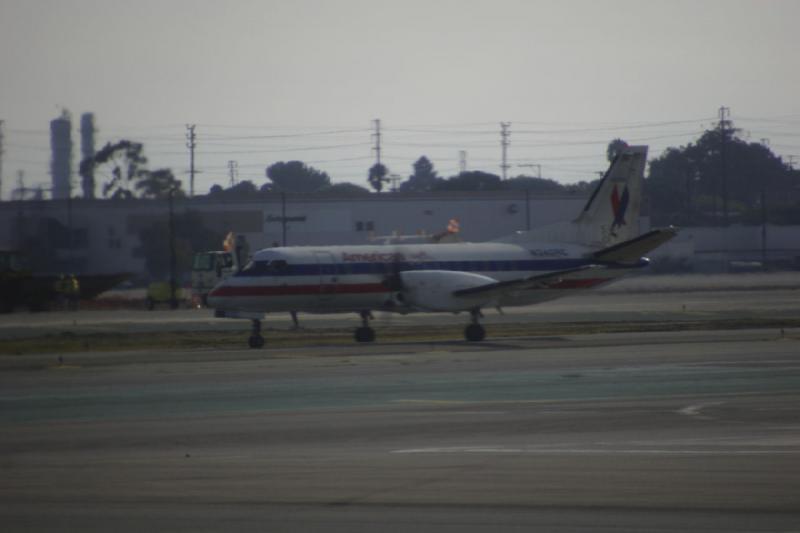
(611, 215)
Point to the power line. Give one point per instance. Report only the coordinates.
(279, 136)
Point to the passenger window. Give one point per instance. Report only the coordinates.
(279, 266)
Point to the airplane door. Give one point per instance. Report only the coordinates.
(327, 275)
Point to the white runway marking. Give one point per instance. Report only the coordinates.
(696, 410)
(498, 450)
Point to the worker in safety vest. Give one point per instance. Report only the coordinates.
(72, 291)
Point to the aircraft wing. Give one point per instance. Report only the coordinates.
(540, 281)
(633, 249)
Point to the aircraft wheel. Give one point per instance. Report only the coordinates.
(256, 341)
(365, 334)
(474, 333)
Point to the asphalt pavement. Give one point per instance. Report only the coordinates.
(668, 431)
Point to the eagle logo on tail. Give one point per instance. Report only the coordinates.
(619, 205)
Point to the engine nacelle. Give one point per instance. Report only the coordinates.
(432, 290)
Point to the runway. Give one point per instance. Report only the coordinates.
(670, 431)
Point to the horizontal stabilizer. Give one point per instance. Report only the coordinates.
(540, 281)
(635, 248)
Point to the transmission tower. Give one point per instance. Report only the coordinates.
(190, 144)
(233, 171)
(462, 161)
(504, 134)
(377, 137)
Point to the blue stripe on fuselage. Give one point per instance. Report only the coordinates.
(261, 268)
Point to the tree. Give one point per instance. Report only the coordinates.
(582, 187)
(191, 235)
(474, 180)
(346, 189)
(424, 177)
(685, 185)
(296, 176)
(614, 148)
(243, 190)
(157, 184)
(377, 176)
(127, 163)
(537, 185)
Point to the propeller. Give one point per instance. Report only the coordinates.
(393, 280)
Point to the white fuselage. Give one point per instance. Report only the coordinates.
(359, 278)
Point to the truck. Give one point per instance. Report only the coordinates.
(208, 269)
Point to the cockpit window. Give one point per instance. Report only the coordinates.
(265, 268)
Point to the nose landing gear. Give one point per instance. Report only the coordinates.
(256, 340)
(365, 333)
(474, 332)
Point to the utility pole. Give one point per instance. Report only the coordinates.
(283, 217)
(1, 160)
(462, 161)
(724, 131)
(233, 171)
(21, 190)
(504, 134)
(394, 179)
(190, 144)
(763, 228)
(790, 157)
(377, 137)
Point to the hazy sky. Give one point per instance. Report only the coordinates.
(267, 81)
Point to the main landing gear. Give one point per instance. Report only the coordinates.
(256, 340)
(474, 332)
(365, 333)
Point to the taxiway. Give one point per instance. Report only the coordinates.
(628, 432)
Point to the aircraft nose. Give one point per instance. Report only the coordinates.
(214, 297)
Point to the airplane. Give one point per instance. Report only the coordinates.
(600, 245)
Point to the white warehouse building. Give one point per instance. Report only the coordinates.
(104, 236)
